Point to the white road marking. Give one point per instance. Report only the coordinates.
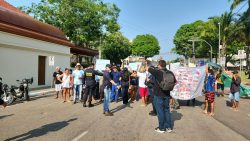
(80, 136)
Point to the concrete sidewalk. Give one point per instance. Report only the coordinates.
(41, 92)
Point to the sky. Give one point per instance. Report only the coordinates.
(161, 18)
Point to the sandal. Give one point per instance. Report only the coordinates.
(211, 114)
(204, 112)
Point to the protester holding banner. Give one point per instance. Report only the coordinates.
(210, 92)
(235, 91)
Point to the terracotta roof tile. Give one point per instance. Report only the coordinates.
(6, 5)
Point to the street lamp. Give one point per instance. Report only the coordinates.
(211, 49)
(219, 44)
(193, 43)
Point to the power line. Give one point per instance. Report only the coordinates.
(241, 8)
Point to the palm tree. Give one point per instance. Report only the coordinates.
(238, 2)
(245, 20)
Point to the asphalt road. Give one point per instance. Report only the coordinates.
(48, 119)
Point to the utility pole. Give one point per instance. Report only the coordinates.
(193, 45)
(219, 45)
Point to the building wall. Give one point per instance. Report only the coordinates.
(19, 58)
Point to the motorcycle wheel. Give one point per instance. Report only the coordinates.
(8, 99)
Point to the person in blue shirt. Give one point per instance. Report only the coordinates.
(77, 78)
(210, 92)
(115, 75)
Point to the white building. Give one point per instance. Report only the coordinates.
(30, 48)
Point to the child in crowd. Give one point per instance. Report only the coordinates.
(210, 92)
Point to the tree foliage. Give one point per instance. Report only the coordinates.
(145, 45)
(231, 37)
(116, 47)
(245, 22)
(83, 21)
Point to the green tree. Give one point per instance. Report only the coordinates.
(145, 45)
(115, 47)
(83, 21)
(245, 21)
(188, 32)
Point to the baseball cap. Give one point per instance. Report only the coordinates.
(78, 64)
(108, 66)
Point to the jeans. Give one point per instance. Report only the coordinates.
(107, 94)
(125, 94)
(77, 92)
(234, 96)
(151, 98)
(114, 93)
(150, 91)
(163, 112)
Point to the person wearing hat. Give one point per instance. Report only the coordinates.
(90, 82)
(235, 90)
(77, 79)
(107, 84)
(58, 84)
(115, 75)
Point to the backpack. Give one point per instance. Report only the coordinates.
(168, 82)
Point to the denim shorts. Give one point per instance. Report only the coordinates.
(235, 96)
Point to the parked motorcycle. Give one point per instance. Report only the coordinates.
(5, 94)
(23, 90)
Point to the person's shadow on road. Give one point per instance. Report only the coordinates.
(4, 116)
(119, 108)
(42, 130)
(176, 116)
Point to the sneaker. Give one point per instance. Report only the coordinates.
(169, 130)
(84, 105)
(91, 105)
(109, 114)
(159, 130)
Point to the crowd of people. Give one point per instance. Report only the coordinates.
(215, 87)
(151, 84)
(84, 84)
